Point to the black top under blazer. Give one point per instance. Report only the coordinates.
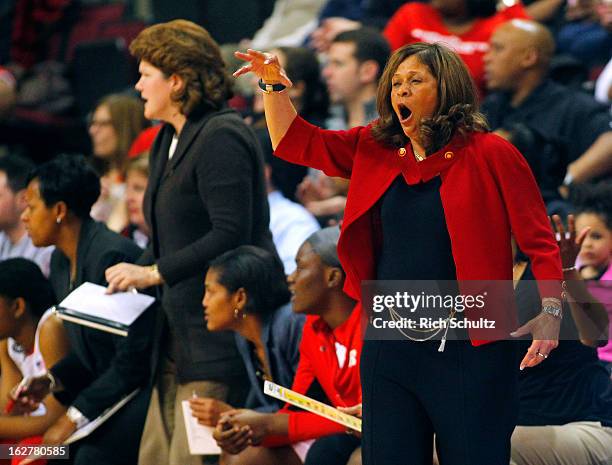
(210, 197)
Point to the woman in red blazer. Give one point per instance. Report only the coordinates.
(433, 196)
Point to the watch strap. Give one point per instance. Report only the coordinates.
(269, 88)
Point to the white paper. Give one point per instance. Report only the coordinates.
(122, 307)
(90, 427)
(199, 437)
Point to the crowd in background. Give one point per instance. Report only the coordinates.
(239, 246)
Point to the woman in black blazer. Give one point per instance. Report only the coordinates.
(206, 195)
(101, 368)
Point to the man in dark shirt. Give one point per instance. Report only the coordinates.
(566, 121)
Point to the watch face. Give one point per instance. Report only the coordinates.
(554, 311)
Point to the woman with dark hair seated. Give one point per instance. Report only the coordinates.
(32, 340)
(101, 368)
(328, 370)
(246, 292)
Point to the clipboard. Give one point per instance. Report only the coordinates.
(311, 405)
(90, 305)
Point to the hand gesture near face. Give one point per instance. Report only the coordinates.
(263, 65)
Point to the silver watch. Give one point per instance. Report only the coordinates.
(553, 310)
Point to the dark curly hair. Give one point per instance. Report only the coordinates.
(258, 272)
(69, 179)
(186, 49)
(457, 110)
(593, 198)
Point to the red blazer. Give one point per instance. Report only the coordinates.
(488, 193)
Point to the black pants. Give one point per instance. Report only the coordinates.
(466, 395)
(332, 450)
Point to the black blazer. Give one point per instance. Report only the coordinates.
(210, 197)
(101, 367)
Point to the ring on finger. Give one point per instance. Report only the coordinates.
(540, 354)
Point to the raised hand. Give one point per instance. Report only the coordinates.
(569, 244)
(265, 65)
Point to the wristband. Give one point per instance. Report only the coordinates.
(269, 88)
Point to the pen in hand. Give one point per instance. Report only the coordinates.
(14, 395)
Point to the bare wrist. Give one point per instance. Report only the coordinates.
(277, 424)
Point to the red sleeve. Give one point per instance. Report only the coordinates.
(527, 214)
(516, 11)
(397, 31)
(329, 151)
(306, 425)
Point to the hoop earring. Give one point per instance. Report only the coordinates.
(237, 314)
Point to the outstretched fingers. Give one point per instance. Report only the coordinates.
(265, 65)
(242, 70)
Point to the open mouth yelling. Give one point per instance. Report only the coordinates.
(404, 113)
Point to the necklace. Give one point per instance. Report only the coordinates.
(396, 317)
(416, 155)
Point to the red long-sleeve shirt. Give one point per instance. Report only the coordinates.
(331, 357)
